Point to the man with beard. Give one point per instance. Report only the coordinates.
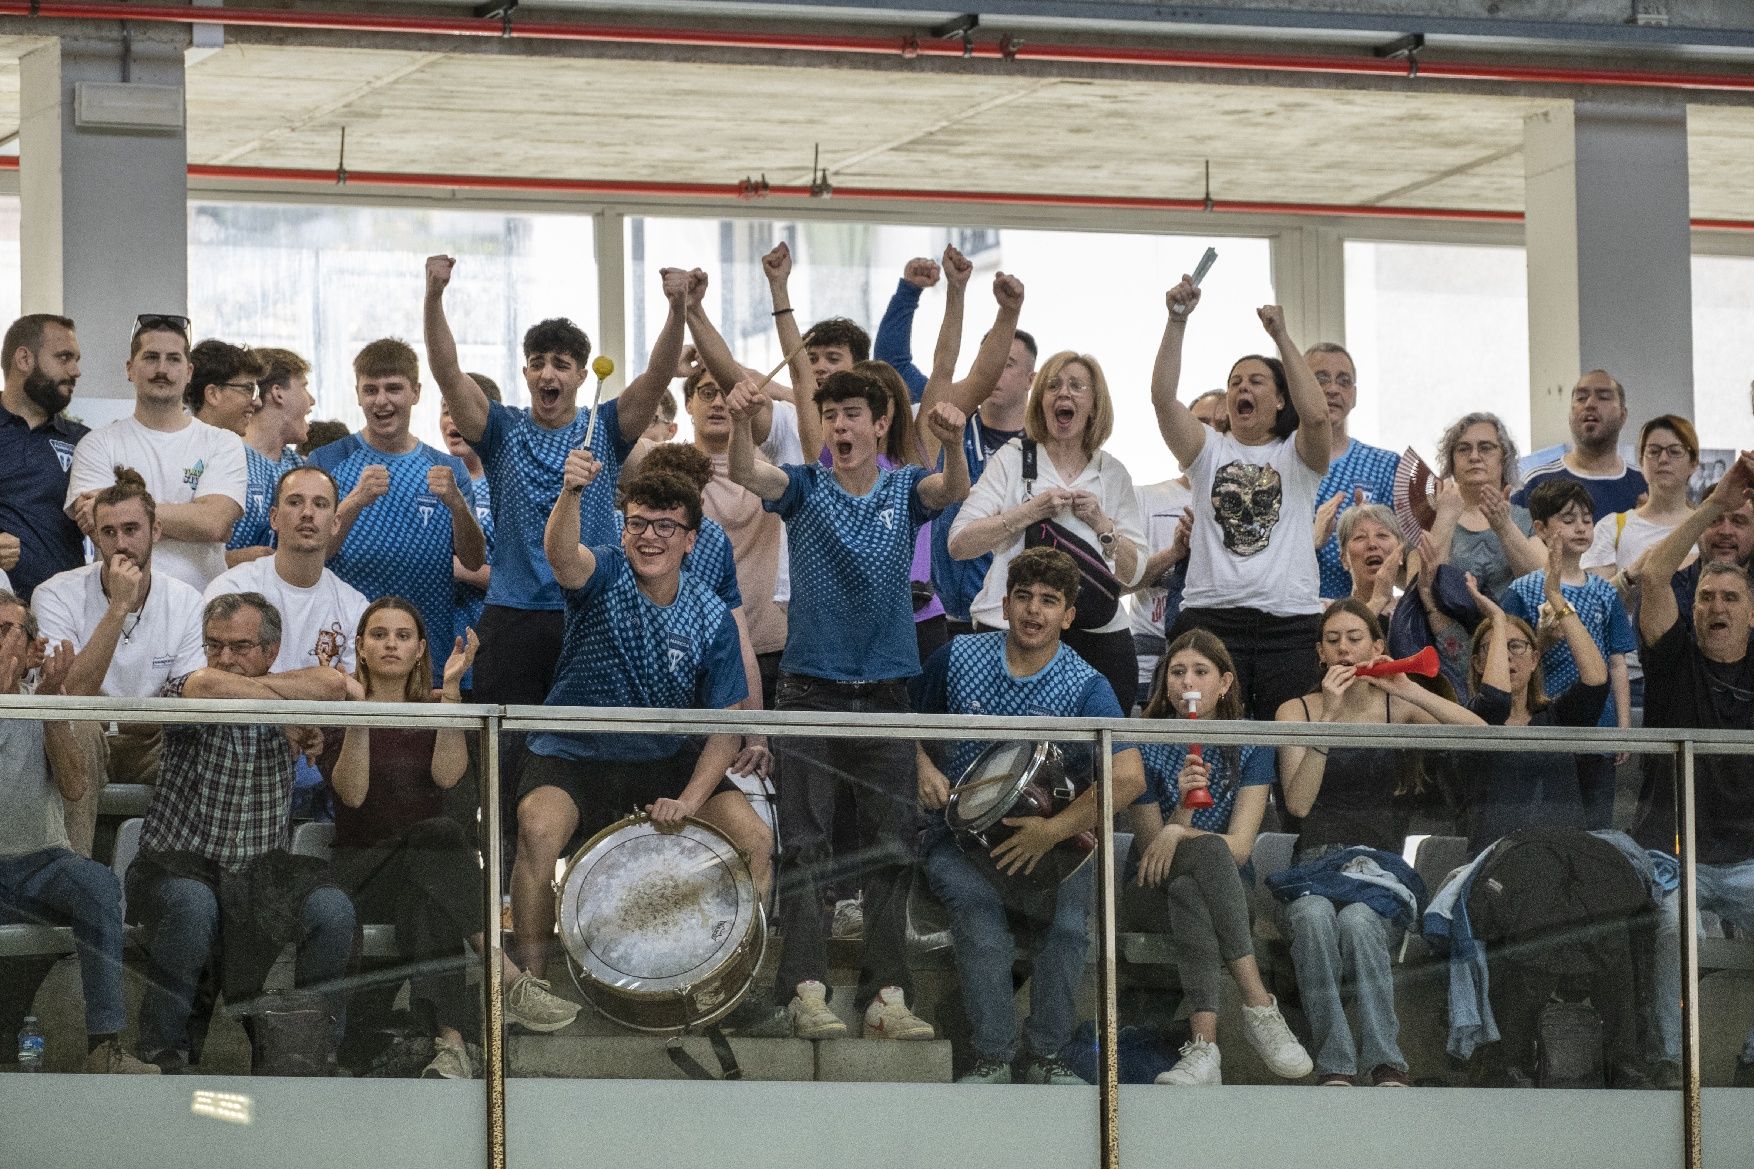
(132, 633)
(1598, 411)
(37, 539)
(194, 470)
(281, 421)
(319, 612)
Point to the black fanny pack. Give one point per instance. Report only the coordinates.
(1099, 592)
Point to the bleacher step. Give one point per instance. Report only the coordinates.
(642, 1057)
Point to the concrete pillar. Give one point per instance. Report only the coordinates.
(1609, 253)
(1309, 278)
(104, 196)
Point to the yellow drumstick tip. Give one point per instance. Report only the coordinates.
(603, 367)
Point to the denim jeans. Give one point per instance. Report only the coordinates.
(1726, 890)
(877, 775)
(981, 933)
(1333, 944)
(58, 887)
(185, 931)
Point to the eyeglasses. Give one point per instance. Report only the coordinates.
(1674, 451)
(708, 393)
(1343, 380)
(160, 322)
(664, 528)
(241, 387)
(1519, 648)
(1485, 449)
(1070, 386)
(238, 648)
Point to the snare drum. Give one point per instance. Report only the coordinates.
(663, 930)
(1010, 780)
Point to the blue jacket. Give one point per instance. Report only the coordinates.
(1359, 875)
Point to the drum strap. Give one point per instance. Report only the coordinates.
(692, 1068)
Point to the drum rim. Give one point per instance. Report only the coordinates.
(1044, 750)
(750, 920)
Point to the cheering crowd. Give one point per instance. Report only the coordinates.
(857, 535)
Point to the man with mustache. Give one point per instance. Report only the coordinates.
(132, 632)
(1598, 411)
(194, 470)
(37, 539)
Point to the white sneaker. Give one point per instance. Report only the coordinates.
(810, 1013)
(1274, 1042)
(849, 919)
(531, 1004)
(450, 1062)
(888, 1018)
(1197, 1068)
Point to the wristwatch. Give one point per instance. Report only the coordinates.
(1107, 540)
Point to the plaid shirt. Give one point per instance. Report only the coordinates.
(224, 792)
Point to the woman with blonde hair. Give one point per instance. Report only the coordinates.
(1056, 486)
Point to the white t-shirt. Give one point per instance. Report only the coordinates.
(160, 641)
(325, 615)
(1252, 545)
(179, 467)
(783, 446)
(1001, 488)
(1618, 547)
(1161, 506)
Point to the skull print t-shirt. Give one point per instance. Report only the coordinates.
(1254, 520)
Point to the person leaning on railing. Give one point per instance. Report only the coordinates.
(1702, 678)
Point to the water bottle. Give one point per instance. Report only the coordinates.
(30, 1046)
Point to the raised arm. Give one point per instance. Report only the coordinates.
(1497, 671)
(950, 485)
(571, 562)
(463, 398)
(746, 468)
(1184, 434)
(450, 749)
(777, 265)
(945, 352)
(1657, 610)
(894, 340)
(989, 360)
(639, 401)
(1314, 441)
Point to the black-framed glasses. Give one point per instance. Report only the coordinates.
(159, 323)
(238, 648)
(663, 528)
(248, 388)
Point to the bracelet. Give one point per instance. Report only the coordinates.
(1561, 614)
(780, 312)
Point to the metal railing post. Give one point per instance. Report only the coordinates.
(1107, 1008)
(1692, 1142)
(492, 950)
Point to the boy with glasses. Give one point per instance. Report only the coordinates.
(639, 632)
(194, 471)
(222, 385)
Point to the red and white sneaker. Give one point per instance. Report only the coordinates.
(888, 1018)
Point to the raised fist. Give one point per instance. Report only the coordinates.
(778, 263)
(441, 483)
(675, 283)
(697, 282)
(1183, 298)
(957, 267)
(438, 273)
(1008, 291)
(373, 485)
(946, 422)
(744, 401)
(921, 272)
(1272, 320)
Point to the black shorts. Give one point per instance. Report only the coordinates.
(606, 790)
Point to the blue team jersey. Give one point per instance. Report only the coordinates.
(969, 675)
(621, 649)
(711, 561)
(401, 545)
(252, 530)
(851, 617)
(1600, 609)
(524, 464)
(1369, 467)
(958, 582)
(1623, 492)
(1163, 764)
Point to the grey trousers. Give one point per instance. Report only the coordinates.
(1208, 917)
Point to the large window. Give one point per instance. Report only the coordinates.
(1723, 351)
(1437, 330)
(1097, 293)
(323, 281)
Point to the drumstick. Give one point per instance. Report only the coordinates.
(784, 361)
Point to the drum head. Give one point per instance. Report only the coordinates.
(652, 912)
(985, 792)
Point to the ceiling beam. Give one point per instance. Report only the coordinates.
(328, 109)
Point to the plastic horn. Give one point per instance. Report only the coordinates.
(1423, 663)
(602, 366)
(1199, 797)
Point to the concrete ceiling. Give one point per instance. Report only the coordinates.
(605, 118)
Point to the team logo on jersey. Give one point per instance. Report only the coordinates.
(258, 501)
(426, 505)
(192, 475)
(887, 515)
(63, 452)
(679, 648)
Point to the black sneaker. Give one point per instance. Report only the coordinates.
(987, 1071)
(1037, 1070)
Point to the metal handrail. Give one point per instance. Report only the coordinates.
(1683, 745)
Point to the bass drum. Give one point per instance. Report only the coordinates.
(1010, 780)
(663, 930)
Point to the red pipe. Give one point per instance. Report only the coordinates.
(907, 46)
(639, 189)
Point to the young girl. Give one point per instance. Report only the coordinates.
(1348, 797)
(1195, 854)
(398, 855)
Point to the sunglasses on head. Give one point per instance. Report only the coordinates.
(160, 322)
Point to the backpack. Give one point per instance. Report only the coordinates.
(1099, 592)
